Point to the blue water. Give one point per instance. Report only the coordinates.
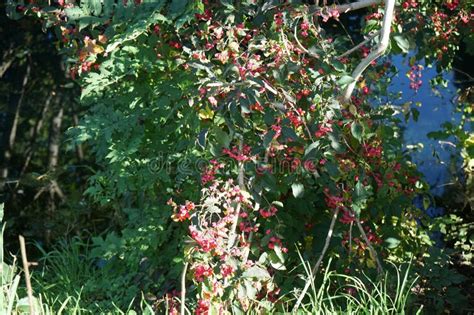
(434, 157)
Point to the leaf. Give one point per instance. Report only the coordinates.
(289, 133)
(177, 7)
(256, 272)
(279, 253)
(75, 13)
(277, 203)
(95, 7)
(297, 190)
(310, 148)
(267, 139)
(438, 135)
(345, 80)
(402, 43)
(250, 289)
(263, 258)
(359, 197)
(392, 242)
(356, 130)
(275, 262)
(415, 113)
(339, 66)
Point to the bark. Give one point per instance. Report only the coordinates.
(53, 158)
(12, 119)
(8, 58)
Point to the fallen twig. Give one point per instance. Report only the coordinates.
(29, 289)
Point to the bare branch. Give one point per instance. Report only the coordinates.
(373, 252)
(183, 288)
(344, 8)
(350, 51)
(377, 52)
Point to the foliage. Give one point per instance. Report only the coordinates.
(242, 99)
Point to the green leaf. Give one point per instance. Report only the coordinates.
(402, 43)
(279, 253)
(392, 242)
(345, 80)
(267, 139)
(202, 138)
(277, 203)
(359, 197)
(289, 133)
(297, 190)
(339, 66)
(357, 130)
(415, 113)
(276, 262)
(310, 148)
(177, 7)
(75, 13)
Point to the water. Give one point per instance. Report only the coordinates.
(433, 157)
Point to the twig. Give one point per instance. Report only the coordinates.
(301, 45)
(350, 51)
(344, 8)
(27, 274)
(233, 233)
(377, 52)
(320, 259)
(183, 288)
(371, 248)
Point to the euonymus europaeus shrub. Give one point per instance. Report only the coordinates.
(233, 133)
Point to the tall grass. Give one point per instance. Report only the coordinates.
(13, 299)
(346, 294)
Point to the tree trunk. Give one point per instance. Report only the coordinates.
(53, 158)
(13, 116)
(34, 134)
(79, 150)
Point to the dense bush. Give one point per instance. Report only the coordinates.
(229, 138)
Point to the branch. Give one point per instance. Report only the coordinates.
(350, 51)
(36, 130)
(371, 248)
(183, 288)
(233, 233)
(377, 52)
(320, 259)
(27, 274)
(344, 8)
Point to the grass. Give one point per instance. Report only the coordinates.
(69, 266)
(359, 295)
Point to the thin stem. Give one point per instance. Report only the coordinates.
(320, 259)
(350, 51)
(183, 288)
(371, 248)
(241, 180)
